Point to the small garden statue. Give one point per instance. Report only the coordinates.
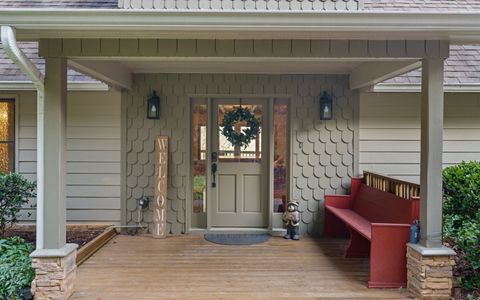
(291, 217)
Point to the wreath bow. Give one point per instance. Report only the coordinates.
(246, 135)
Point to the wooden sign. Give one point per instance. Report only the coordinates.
(161, 185)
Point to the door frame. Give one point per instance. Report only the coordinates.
(275, 224)
(214, 217)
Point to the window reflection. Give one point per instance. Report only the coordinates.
(7, 136)
(280, 155)
(229, 153)
(199, 129)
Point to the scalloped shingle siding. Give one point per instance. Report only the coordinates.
(322, 150)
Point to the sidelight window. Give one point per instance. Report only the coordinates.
(7, 135)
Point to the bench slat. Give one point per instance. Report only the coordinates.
(354, 220)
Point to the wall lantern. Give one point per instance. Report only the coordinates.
(153, 106)
(326, 106)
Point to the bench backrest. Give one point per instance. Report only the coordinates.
(382, 207)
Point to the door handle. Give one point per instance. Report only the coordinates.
(214, 172)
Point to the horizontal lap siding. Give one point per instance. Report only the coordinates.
(93, 154)
(390, 132)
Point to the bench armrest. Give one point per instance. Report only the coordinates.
(339, 201)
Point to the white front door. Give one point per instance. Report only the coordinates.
(239, 187)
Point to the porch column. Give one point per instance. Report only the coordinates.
(431, 147)
(55, 263)
(429, 263)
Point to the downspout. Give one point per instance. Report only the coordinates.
(12, 50)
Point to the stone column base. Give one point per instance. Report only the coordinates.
(55, 272)
(429, 272)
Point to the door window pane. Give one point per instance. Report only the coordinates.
(280, 155)
(7, 136)
(230, 153)
(199, 157)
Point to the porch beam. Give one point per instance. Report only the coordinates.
(112, 73)
(242, 48)
(54, 153)
(432, 106)
(371, 73)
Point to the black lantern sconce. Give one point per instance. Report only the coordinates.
(326, 106)
(153, 106)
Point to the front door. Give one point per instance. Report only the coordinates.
(239, 188)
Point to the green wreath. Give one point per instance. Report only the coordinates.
(248, 134)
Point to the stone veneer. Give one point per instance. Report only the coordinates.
(429, 276)
(55, 276)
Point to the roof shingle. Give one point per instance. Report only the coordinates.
(10, 72)
(422, 5)
(462, 67)
(59, 3)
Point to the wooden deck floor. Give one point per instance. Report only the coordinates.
(188, 267)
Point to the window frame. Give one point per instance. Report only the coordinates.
(14, 99)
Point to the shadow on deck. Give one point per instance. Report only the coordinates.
(188, 267)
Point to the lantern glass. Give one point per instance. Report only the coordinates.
(153, 106)
(326, 107)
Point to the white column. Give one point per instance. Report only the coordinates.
(55, 98)
(431, 153)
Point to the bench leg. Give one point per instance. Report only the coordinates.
(333, 226)
(359, 246)
(388, 263)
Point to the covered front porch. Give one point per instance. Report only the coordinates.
(284, 67)
(189, 267)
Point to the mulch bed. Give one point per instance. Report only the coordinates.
(76, 234)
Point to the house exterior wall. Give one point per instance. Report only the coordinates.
(322, 151)
(93, 153)
(389, 134)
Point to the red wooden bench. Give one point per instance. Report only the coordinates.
(379, 226)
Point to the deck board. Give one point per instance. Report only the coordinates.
(188, 267)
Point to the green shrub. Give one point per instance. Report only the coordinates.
(14, 193)
(461, 211)
(16, 270)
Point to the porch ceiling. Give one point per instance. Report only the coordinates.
(245, 65)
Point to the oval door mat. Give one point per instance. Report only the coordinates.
(237, 239)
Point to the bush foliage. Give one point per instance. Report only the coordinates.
(16, 270)
(461, 211)
(14, 193)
